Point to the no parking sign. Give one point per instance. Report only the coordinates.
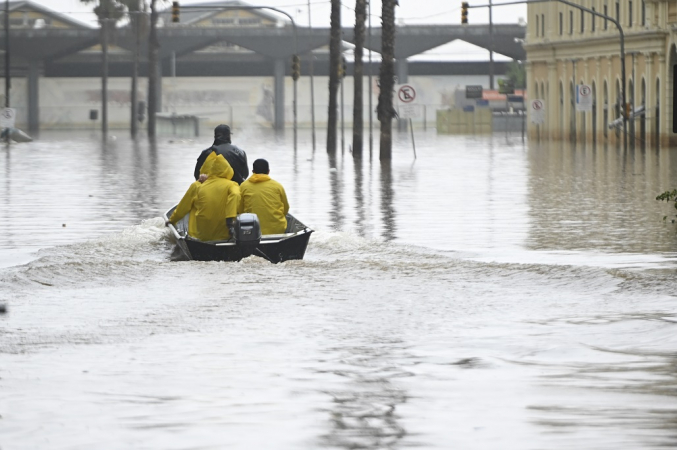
(538, 111)
(583, 97)
(408, 105)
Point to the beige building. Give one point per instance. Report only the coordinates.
(566, 46)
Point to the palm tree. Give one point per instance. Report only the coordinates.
(334, 64)
(385, 110)
(360, 19)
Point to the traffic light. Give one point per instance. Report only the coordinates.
(175, 12)
(295, 67)
(343, 68)
(464, 13)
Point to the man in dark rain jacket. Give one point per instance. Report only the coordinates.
(235, 156)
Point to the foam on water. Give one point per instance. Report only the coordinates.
(516, 300)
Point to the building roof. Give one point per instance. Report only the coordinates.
(50, 13)
(194, 14)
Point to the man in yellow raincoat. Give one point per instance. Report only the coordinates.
(266, 198)
(210, 203)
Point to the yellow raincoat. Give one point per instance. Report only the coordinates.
(211, 203)
(184, 206)
(267, 199)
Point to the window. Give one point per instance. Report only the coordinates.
(542, 24)
(606, 13)
(249, 21)
(223, 21)
(582, 21)
(618, 12)
(561, 24)
(643, 22)
(571, 22)
(630, 13)
(593, 20)
(537, 24)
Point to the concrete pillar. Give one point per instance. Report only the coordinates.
(666, 105)
(650, 101)
(552, 102)
(279, 93)
(33, 95)
(612, 100)
(530, 66)
(599, 101)
(158, 89)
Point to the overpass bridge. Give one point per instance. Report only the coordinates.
(36, 52)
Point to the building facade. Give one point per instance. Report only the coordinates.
(567, 46)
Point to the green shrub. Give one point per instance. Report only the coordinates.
(669, 196)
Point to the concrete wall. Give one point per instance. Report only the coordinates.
(241, 101)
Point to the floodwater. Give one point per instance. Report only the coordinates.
(489, 294)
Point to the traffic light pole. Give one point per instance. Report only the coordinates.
(594, 13)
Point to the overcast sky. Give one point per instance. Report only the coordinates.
(409, 11)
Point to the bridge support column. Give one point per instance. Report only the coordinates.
(279, 94)
(402, 72)
(33, 96)
(158, 88)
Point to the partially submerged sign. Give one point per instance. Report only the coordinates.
(538, 111)
(583, 97)
(8, 118)
(408, 107)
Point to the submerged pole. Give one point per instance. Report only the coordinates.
(312, 84)
(7, 78)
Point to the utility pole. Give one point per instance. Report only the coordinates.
(491, 49)
(312, 84)
(371, 106)
(104, 77)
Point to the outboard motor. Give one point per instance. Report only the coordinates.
(247, 233)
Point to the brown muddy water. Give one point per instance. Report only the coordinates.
(490, 294)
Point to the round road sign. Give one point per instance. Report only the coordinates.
(406, 94)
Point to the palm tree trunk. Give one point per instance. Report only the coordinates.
(153, 50)
(334, 63)
(358, 121)
(385, 110)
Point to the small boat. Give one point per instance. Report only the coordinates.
(248, 241)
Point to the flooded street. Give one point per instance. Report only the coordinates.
(489, 294)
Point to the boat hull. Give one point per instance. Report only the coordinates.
(275, 248)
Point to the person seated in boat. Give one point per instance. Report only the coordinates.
(236, 157)
(210, 204)
(266, 198)
(188, 196)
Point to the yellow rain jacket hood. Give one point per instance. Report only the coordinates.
(267, 199)
(212, 202)
(185, 205)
